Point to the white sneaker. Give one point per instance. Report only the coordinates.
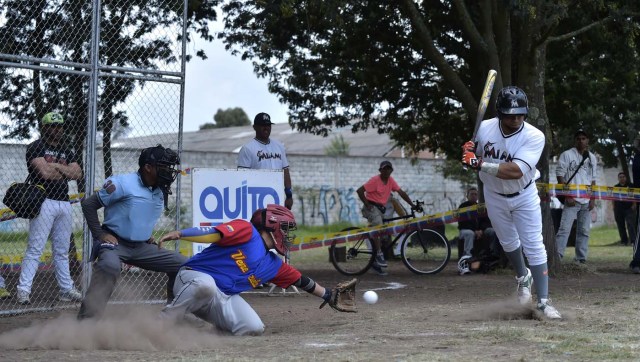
(524, 288)
(548, 310)
(23, 298)
(71, 295)
(464, 271)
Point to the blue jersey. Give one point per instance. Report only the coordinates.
(131, 208)
(239, 261)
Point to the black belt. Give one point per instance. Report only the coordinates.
(515, 193)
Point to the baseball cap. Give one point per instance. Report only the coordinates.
(384, 164)
(52, 118)
(581, 131)
(262, 119)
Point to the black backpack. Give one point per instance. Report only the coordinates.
(24, 199)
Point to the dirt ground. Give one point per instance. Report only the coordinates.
(417, 318)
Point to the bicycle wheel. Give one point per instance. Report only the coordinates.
(352, 255)
(425, 251)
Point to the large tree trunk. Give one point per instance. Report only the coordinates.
(538, 118)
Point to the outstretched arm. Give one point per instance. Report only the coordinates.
(197, 234)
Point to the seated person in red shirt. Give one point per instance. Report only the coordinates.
(209, 283)
(374, 194)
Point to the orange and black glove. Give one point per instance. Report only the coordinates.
(469, 146)
(470, 159)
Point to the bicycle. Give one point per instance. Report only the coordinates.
(423, 251)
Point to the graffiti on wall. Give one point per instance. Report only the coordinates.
(326, 205)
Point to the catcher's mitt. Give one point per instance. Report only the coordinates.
(343, 297)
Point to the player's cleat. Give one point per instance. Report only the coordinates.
(378, 269)
(23, 298)
(71, 295)
(380, 260)
(4, 293)
(524, 288)
(548, 310)
(635, 270)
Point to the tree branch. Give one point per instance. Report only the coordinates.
(579, 31)
(475, 38)
(449, 74)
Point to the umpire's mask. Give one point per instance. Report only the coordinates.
(165, 160)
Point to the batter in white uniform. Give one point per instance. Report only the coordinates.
(505, 153)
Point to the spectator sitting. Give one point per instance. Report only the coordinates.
(374, 194)
(476, 233)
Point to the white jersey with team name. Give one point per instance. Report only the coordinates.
(522, 147)
(263, 156)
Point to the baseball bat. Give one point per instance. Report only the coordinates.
(484, 102)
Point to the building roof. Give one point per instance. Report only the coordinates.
(231, 139)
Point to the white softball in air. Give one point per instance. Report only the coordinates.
(370, 297)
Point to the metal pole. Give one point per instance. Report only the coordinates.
(92, 126)
(183, 69)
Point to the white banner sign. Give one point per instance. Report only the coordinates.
(224, 195)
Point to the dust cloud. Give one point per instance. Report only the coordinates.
(132, 329)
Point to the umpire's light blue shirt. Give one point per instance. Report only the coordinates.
(131, 208)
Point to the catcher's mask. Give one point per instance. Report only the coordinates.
(279, 221)
(165, 160)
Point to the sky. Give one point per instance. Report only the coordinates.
(224, 81)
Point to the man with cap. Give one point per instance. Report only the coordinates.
(576, 166)
(133, 204)
(264, 153)
(374, 195)
(50, 164)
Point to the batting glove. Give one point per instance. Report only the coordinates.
(471, 160)
(469, 146)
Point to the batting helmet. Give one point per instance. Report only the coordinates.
(52, 118)
(463, 265)
(512, 100)
(279, 221)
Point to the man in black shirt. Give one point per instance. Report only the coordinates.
(51, 165)
(624, 214)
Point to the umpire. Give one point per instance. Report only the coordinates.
(133, 204)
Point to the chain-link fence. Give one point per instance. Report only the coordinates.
(109, 69)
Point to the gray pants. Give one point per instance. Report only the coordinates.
(197, 293)
(582, 214)
(106, 271)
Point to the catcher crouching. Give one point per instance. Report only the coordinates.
(209, 284)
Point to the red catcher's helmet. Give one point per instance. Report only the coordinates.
(279, 221)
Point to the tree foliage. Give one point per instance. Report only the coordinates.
(230, 117)
(593, 84)
(337, 147)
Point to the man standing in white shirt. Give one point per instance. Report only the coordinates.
(264, 153)
(576, 166)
